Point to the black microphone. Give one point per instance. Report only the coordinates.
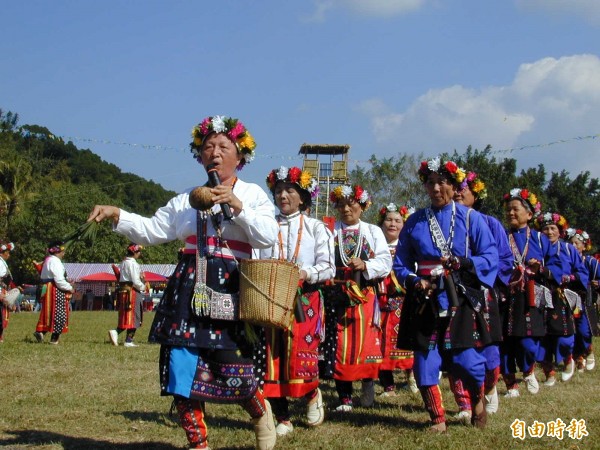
(214, 180)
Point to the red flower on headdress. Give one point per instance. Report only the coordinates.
(383, 211)
(524, 194)
(451, 166)
(294, 174)
(358, 191)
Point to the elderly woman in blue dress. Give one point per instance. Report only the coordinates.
(445, 259)
(586, 322)
(536, 265)
(566, 300)
(205, 355)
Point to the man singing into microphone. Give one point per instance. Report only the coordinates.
(205, 355)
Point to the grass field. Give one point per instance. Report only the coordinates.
(88, 394)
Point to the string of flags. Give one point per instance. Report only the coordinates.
(279, 156)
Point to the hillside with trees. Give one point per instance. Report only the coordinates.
(48, 188)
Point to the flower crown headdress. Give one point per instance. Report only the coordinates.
(580, 235)
(56, 247)
(404, 211)
(448, 169)
(134, 248)
(294, 175)
(551, 218)
(233, 129)
(4, 246)
(476, 185)
(529, 199)
(355, 192)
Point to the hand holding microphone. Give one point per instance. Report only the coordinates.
(214, 180)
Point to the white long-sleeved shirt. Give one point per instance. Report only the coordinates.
(254, 225)
(131, 273)
(53, 269)
(316, 250)
(381, 264)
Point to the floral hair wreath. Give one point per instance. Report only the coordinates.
(355, 192)
(446, 168)
(134, 248)
(233, 128)
(476, 185)
(580, 235)
(56, 247)
(4, 246)
(294, 175)
(404, 211)
(551, 218)
(526, 197)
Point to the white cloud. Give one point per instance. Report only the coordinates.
(588, 9)
(549, 100)
(374, 8)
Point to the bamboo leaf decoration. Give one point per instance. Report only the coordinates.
(85, 232)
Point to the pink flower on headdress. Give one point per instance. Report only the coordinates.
(236, 131)
(204, 126)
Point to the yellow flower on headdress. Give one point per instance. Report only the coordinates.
(533, 199)
(460, 175)
(478, 186)
(305, 180)
(247, 141)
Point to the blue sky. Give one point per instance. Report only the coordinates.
(129, 79)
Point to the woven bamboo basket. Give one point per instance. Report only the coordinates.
(268, 290)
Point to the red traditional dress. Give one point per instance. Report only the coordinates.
(352, 348)
(129, 298)
(292, 355)
(6, 283)
(55, 297)
(391, 296)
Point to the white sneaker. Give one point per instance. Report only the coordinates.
(315, 411)
(532, 383)
(567, 374)
(389, 394)
(464, 417)
(491, 402)
(264, 430)
(130, 344)
(344, 408)
(590, 362)
(551, 381)
(284, 428)
(367, 396)
(412, 385)
(512, 393)
(114, 337)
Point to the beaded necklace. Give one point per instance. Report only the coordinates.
(519, 257)
(443, 245)
(344, 256)
(289, 237)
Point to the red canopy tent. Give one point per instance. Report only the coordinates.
(151, 277)
(100, 276)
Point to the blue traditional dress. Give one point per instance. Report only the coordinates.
(448, 330)
(523, 321)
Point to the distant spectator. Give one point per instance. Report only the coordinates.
(89, 299)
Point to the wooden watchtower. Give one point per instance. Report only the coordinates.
(328, 163)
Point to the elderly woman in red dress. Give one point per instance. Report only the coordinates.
(391, 296)
(292, 355)
(352, 349)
